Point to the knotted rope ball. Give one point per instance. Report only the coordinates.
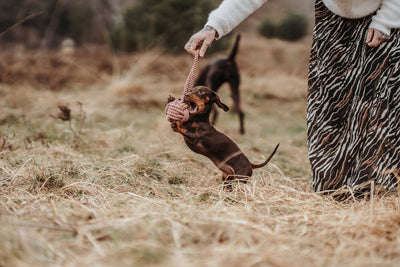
(177, 110)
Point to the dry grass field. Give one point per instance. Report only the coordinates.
(115, 186)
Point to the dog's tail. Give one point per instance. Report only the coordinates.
(232, 55)
(256, 166)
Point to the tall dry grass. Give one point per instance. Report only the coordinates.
(114, 186)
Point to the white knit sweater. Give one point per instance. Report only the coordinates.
(231, 13)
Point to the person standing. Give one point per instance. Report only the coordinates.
(353, 98)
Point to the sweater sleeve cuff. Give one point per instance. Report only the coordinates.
(380, 27)
(219, 30)
(387, 16)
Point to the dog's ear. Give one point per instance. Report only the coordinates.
(219, 103)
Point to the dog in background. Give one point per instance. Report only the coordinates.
(201, 137)
(217, 72)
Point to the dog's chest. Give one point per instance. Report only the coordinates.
(200, 138)
(197, 147)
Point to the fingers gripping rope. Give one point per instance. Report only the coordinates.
(177, 110)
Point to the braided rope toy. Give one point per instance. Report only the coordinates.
(177, 110)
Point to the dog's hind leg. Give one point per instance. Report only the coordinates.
(234, 84)
(228, 177)
(227, 180)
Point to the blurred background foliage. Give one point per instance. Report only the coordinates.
(125, 26)
(164, 24)
(291, 27)
(38, 23)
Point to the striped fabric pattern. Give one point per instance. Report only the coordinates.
(353, 105)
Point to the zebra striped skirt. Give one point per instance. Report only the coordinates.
(353, 105)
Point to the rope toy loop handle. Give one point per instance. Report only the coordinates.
(177, 110)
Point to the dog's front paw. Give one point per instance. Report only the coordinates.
(174, 126)
(171, 98)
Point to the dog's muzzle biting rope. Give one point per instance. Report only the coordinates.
(177, 110)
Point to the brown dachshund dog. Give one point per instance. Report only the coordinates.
(224, 70)
(201, 137)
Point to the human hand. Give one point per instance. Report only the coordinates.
(200, 40)
(375, 37)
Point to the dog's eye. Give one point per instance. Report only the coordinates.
(201, 91)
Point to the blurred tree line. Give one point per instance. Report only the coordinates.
(136, 25)
(291, 27)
